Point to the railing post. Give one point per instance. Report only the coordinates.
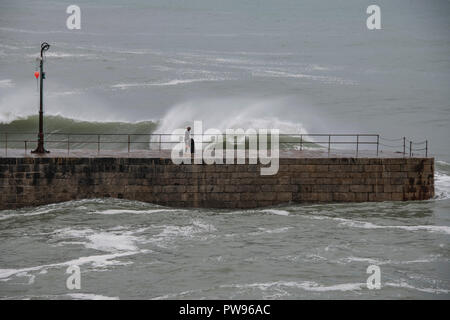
(68, 144)
(159, 145)
(301, 142)
(25, 146)
(426, 148)
(128, 143)
(98, 144)
(329, 144)
(6, 144)
(357, 145)
(410, 148)
(378, 143)
(404, 146)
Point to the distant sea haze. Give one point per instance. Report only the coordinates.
(298, 66)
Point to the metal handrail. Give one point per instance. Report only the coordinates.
(301, 142)
(169, 134)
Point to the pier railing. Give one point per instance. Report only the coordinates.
(131, 142)
(406, 146)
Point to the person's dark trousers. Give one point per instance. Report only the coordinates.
(192, 146)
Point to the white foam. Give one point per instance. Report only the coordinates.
(442, 185)
(276, 286)
(63, 55)
(317, 67)
(124, 211)
(174, 295)
(405, 285)
(31, 277)
(90, 296)
(284, 74)
(64, 93)
(95, 260)
(110, 242)
(315, 257)
(369, 225)
(172, 233)
(350, 259)
(115, 241)
(264, 230)
(204, 226)
(245, 53)
(75, 296)
(6, 83)
(276, 212)
(305, 285)
(365, 260)
(46, 32)
(174, 82)
(8, 46)
(20, 215)
(185, 231)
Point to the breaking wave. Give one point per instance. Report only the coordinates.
(442, 180)
(232, 113)
(55, 124)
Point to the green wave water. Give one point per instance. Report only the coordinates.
(84, 134)
(59, 124)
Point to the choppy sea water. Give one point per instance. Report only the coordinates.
(127, 249)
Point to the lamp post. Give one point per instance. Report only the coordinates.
(40, 147)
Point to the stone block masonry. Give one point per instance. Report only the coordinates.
(37, 181)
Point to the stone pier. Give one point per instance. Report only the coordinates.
(32, 181)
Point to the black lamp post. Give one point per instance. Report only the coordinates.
(40, 147)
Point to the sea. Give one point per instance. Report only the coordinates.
(304, 67)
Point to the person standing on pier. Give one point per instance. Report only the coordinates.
(187, 139)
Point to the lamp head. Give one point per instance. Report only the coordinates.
(44, 47)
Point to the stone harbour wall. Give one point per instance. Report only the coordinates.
(37, 181)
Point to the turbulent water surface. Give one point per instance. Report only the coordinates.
(130, 249)
(299, 66)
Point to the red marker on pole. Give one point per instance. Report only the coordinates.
(36, 74)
